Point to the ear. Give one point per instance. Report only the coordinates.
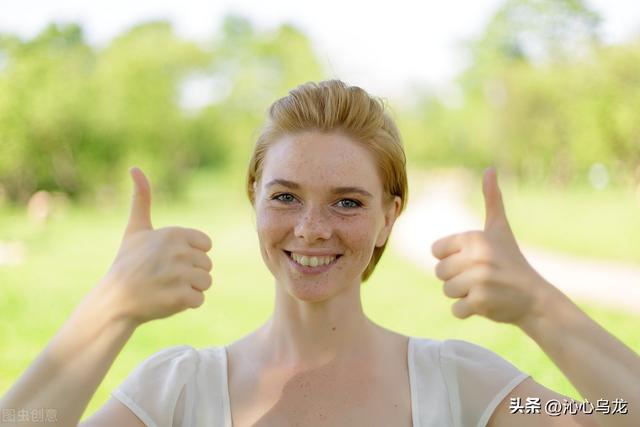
(391, 214)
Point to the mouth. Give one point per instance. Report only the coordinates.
(312, 264)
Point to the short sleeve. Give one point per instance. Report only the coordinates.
(477, 380)
(155, 390)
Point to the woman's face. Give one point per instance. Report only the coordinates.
(320, 213)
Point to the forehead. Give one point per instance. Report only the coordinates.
(314, 158)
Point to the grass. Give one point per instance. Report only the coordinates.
(581, 221)
(68, 255)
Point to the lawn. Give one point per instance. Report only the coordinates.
(68, 256)
(602, 224)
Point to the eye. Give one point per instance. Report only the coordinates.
(349, 203)
(284, 197)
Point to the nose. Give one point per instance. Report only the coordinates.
(313, 224)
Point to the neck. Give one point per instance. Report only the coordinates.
(306, 334)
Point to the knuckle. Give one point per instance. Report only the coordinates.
(183, 302)
(176, 253)
(469, 236)
(440, 270)
(174, 233)
(202, 236)
(202, 282)
(165, 271)
(171, 273)
(458, 310)
(478, 300)
(181, 254)
(435, 248)
(449, 289)
(474, 238)
(480, 251)
(197, 299)
(207, 240)
(484, 273)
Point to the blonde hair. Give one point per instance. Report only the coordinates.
(332, 106)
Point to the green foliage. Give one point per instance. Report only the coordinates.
(42, 109)
(73, 116)
(262, 67)
(542, 99)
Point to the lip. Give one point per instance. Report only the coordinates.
(313, 253)
(305, 269)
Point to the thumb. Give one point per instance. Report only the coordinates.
(140, 215)
(494, 208)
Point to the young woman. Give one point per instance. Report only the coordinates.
(327, 180)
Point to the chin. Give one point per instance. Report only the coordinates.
(312, 291)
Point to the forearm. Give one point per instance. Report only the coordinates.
(67, 373)
(597, 364)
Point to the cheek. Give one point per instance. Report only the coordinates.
(360, 235)
(271, 226)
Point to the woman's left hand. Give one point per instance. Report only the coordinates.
(486, 270)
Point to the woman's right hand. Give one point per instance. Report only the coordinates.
(156, 273)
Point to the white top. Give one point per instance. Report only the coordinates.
(453, 384)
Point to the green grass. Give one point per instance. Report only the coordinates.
(70, 254)
(582, 221)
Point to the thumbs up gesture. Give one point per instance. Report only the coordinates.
(485, 270)
(156, 273)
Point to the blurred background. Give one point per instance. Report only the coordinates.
(548, 91)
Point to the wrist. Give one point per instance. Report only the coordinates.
(103, 298)
(545, 302)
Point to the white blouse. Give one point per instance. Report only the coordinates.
(453, 384)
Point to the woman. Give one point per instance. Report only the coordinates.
(327, 181)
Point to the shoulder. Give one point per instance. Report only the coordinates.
(452, 351)
(474, 379)
(159, 388)
(456, 354)
(182, 355)
(180, 361)
(462, 361)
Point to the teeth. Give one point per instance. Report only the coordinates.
(312, 261)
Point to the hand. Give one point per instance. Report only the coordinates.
(486, 270)
(156, 273)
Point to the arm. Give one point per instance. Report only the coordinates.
(488, 273)
(597, 364)
(502, 416)
(156, 273)
(67, 373)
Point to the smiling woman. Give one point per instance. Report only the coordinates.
(319, 196)
(327, 181)
(332, 108)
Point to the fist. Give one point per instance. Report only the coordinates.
(156, 273)
(485, 269)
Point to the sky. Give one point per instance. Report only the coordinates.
(385, 47)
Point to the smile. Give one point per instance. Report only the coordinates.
(312, 264)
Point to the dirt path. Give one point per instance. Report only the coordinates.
(437, 208)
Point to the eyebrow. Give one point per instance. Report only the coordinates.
(334, 190)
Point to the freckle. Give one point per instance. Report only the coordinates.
(333, 329)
